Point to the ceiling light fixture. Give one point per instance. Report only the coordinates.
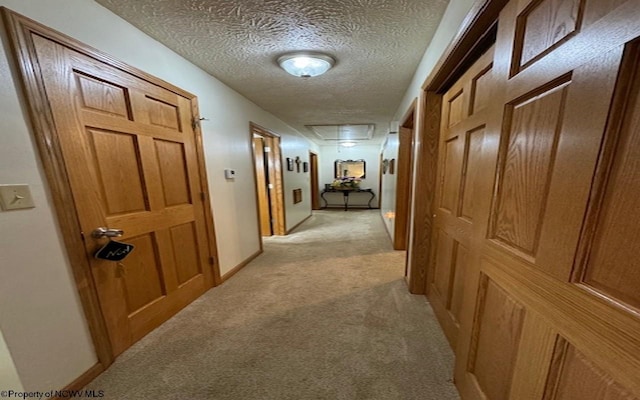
(306, 64)
(347, 144)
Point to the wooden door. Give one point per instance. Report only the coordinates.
(130, 154)
(315, 185)
(273, 175)
(262, 187)
(403, 191)
(464, 117)
(551, 305)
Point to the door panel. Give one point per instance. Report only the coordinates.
(608, 263)
(173, 172)
(143, 281)
(550, 308)
(525, 166)
(451, 173)
(185, 250)
(545, 24)
(473, 149)
(573, 376)
(129, 150)
(495, 339)
(115, 148)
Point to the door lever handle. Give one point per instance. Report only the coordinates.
(106, 232)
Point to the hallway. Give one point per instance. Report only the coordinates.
(322, 314)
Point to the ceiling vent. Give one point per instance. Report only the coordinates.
(344, 132)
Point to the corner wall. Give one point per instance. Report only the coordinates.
(40, 313)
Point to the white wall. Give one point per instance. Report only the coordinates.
(40, 313)
(9, 379)
(452, 19)
(389, 184)
(292, 148)
(370, 153)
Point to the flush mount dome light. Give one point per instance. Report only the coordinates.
(347, 144)
(306, 64)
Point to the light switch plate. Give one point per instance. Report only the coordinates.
(13, 197)
(230, 173)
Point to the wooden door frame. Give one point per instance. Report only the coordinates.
(404, 178)
(28, 73)
(313, 176)
(276, 195)
(467, 45)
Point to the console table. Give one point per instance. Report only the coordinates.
(345, 195)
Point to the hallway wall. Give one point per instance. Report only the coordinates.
(451, 20)
(40, 313)
(389, 183)
(370, 153)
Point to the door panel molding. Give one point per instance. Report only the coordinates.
(22, 34)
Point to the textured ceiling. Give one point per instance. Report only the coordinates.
(377, 44)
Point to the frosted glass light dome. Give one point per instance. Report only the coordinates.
(306, 65)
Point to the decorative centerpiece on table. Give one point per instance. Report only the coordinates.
(346, 183)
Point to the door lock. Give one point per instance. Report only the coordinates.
(106, 232)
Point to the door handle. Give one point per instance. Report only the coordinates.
(106, 232)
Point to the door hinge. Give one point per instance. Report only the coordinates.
(267, 149)
(212, 260)
(202, 196)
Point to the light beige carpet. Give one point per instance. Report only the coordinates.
(324, 313)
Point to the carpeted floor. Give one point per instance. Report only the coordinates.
(324, 313)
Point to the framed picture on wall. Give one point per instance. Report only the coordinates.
(289, 164)
(392, 166)
(305, 167)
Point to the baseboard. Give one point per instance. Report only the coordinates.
(298, 224)
(82, 381)
(238, 267)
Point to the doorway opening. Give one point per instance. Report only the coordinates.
(164, 212)
(268, 178)
(315, 189)
(405, 178)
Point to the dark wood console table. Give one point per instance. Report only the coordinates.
(345, 195)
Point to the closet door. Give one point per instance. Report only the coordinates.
(464, 115)
(551, 305)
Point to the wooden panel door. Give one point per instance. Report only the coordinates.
(130, 154)
(551, 306)
(262, 187)
(464, 116)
